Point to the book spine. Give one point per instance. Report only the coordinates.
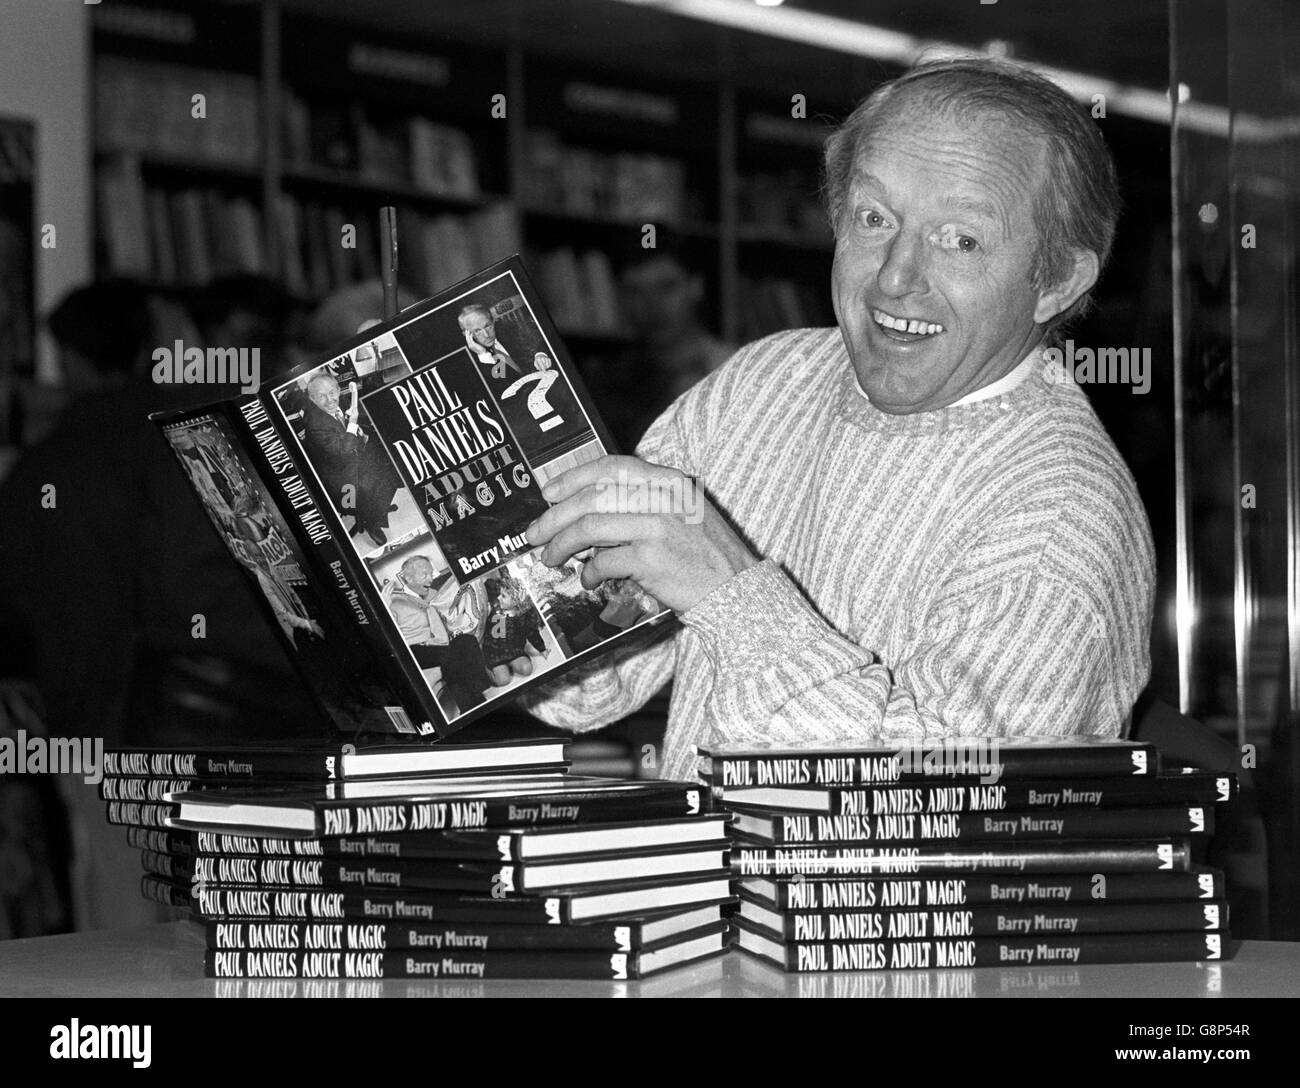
(988, 763)
(992, 952)
(316, 873)
(365, 818)
(420, 846)
(1100, 857)
(895, 892)
(210, 767)
(1202, 789)
(508, 963)
(410, 706)
(156, 839)
(980, 827)
(993, 921)
(145, 789)
(426, 937)
(228, 903)
(141, 814)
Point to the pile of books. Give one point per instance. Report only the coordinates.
(970, 854)
(457, 861)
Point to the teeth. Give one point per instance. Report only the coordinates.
(900, 324)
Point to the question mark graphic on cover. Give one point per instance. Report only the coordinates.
(538, 407)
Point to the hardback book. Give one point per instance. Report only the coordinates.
(439, 874)
(986, 760)
(377, 500)
(528, 844)
(1193, 788)
(565, 906)
(469, 964)
(873, 893)
(324, 763)
(982, 951)
(1037, 825)
(620, 936)
(389, 806)
(1140, 856)
(986, 921)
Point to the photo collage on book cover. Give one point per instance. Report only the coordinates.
(470, 399)
(255, 534)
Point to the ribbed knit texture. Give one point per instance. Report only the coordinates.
(979, 569)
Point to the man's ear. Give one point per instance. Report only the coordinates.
(1061, 296)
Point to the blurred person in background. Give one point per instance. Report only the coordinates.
(107, 562)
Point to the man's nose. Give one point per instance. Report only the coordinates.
(903, 270)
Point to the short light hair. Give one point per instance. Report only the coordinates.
(410, 561)
(474, 308)
(1077, 205)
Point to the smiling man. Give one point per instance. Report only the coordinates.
(915, 528)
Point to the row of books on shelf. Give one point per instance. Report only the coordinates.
(769, 304)
(579, 289)
(491, 861)
(181, 236)
(435, 158)
(177, 112)
(433, 249)
(626, 186)
(189, 236)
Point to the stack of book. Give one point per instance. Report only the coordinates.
(970, 854)
(490, 862)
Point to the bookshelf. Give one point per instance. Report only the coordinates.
(311, 125)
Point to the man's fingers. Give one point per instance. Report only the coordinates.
(608, 563)
(597, 531)
(609, 469)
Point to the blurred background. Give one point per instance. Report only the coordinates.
(133, 214)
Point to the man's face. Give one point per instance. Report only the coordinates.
(480, 327)
(325, 395)
(420, 574)
(937, 229)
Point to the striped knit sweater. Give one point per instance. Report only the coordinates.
(981, 569)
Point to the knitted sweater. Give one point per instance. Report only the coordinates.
(981, 569)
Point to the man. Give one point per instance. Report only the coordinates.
(508, 359)
(447, 641)
(916, 528)
(358, 477)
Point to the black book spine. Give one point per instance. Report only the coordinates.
(1068, 857)
(159, 840)
(141, 814)
(231, 903)
(334, 818)
(993, 921)
(145, 789)
(167, 892)
(507, 964)
(990, 765)
(1002, 827)
(209, 767)
(422, 936)
(994, 952)
(408, 703)
(976, 890)
(1107, 793)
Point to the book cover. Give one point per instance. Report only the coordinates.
(407, 466)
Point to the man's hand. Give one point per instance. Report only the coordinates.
(651, 523)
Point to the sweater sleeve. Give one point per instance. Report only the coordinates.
(623, 680)
(1027, 656)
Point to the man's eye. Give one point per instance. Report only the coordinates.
(951, 238)
(869, 217)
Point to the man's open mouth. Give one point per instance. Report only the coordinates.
(905, 330)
